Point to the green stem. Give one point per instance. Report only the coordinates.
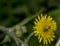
(26, 20)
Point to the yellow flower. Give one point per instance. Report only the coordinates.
(44, 28)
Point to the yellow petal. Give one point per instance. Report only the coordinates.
(40, 39)
(38, 18)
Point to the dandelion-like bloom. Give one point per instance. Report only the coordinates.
(44, 28)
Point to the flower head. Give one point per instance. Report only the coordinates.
(44, 28)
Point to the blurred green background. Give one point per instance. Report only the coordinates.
(13, 12)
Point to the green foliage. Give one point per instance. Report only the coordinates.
(13, 12)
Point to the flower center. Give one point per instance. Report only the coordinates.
(47, 28)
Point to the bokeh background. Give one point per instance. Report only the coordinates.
(15, 12)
